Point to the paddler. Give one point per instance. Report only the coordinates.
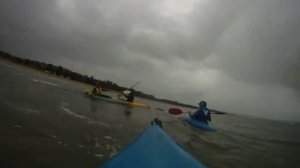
(158, 122)
(202, 114)
(129, 94)
(97, 89)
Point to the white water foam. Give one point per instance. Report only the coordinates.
(98, 123)
(44, 82)
(99, 155)
(69, 112)
(113, 150)
(31, 111)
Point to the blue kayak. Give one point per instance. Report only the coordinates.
(204, 125)
(153, 149)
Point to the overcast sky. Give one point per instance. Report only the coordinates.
(240, 56)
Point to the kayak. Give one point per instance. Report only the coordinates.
(115, 100)
(118, 101)
(204, 125)
(153, 149)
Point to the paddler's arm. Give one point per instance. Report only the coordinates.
(196, 114)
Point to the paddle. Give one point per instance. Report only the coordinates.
(135, 84)
(177, 111)
(121, 93)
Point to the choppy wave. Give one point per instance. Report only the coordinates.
(31, 111)
(44, 82)
(8, 65)
(69, 112)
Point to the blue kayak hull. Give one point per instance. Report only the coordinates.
(153, 149)
(203, 125)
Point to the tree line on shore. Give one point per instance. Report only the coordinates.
(66, 73)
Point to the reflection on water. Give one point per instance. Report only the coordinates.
(128, 111)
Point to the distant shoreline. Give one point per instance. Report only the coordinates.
(66, 74)
(11, 64)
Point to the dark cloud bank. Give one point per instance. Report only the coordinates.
(241, 56)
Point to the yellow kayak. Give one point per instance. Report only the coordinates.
(137, 104)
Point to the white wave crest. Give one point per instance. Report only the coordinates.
(44, 82)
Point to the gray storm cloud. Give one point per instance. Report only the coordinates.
(241, 56)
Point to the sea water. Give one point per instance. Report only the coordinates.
(48, 122)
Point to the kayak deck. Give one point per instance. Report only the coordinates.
(153, 149)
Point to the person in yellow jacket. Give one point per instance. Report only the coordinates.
(97, 89)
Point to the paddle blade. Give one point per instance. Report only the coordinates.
(175, 111)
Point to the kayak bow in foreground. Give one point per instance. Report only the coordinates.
(153, 149)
